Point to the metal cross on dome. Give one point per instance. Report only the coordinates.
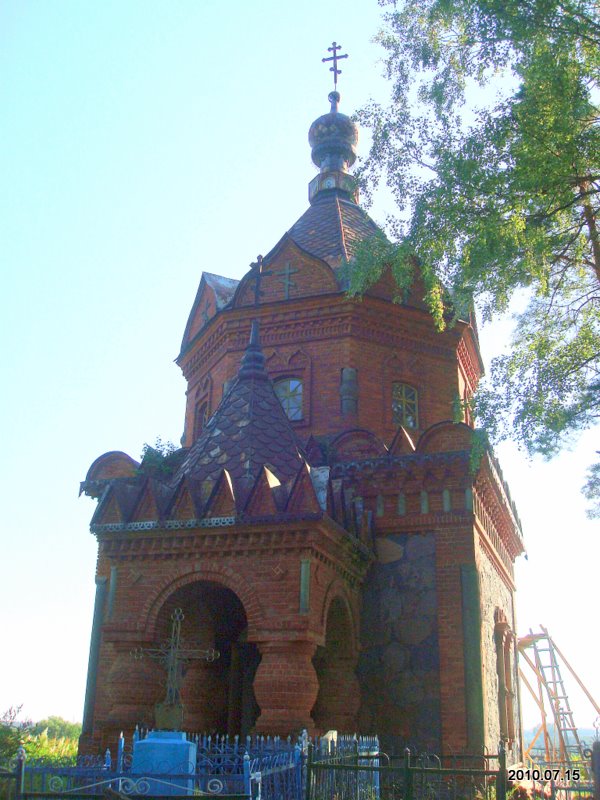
(335, 58)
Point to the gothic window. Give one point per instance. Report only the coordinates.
(200, 418)
(405, 405)
(289, 392)
(503, 638)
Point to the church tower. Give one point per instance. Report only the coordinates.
(321, 526)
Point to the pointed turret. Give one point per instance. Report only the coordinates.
(248, 430)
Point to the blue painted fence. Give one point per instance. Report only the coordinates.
(258, 768)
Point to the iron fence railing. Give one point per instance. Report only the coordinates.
(348, 768)
(374, 776)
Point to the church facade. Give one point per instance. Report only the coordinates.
(321, 526)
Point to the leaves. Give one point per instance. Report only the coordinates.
(502, 198)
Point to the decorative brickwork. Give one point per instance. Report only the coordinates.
(337, 550)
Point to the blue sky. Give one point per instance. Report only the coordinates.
(140, 143)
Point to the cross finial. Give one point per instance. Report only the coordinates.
(335, 58)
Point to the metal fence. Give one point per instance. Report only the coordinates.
(263, 768)
(257, 768)
(8, 782)
(343, 774)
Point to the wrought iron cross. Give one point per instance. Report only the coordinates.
(335, 58)
(260, 273)
(173, 654)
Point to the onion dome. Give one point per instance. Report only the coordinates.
(333, 138)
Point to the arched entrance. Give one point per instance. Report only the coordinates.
(338, 700)
(218, 696)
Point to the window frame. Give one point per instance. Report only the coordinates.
(300, 381)
(404, 401)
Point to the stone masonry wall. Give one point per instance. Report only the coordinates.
(399, 665)
(495, 594)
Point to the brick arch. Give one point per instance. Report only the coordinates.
(299, 358)
(445, 436)
(337, 591)
(213, 573)
(114, 464)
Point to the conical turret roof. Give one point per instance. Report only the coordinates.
(248, 430)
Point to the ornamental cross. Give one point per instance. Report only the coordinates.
(173, 654)
(286, 279)
(261, 273)
(335, 58)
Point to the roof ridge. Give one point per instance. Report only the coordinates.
(342, 234)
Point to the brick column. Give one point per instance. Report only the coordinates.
(285, 687)
(339, 696)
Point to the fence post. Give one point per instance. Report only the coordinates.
(407, 776)
(309, 761)
(596, 768)
(501, 779)
(298, 771)
(120, 751)
(247, 783)
(20, 771)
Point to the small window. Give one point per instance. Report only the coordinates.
(289, 392)
(401, 505)
(405, 405)
(446, 500)
(200, 418)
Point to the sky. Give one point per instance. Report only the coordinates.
(141, 143)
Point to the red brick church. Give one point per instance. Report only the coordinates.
(320, 526)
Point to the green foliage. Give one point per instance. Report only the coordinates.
(43, 747)
(501, 198)
(57, 728)
(53, 739)
(157, 460)
(12, 733)
(592, 490)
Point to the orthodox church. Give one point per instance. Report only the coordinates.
(321, 526)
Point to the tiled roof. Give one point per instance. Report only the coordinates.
(331, 228)
(248, 429)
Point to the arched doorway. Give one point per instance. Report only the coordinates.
(218, 696)
(338, 700)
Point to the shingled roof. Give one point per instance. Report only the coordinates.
(248, 430)
(331, 228)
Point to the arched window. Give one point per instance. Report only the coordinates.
(405, 403)
(503, 637)
(289, 392)
(200, 418)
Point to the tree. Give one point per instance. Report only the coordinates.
(53, 740)
(500, 198)
(57, 728)
(12, 733)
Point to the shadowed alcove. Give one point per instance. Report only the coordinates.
(217, 695)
